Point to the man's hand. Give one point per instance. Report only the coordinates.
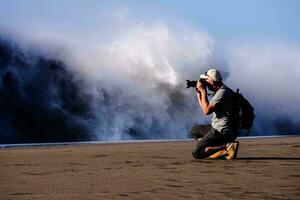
(200, 87)
(204, 104)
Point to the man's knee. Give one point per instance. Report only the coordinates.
(193, 132)
(198, 131)
(197, 154)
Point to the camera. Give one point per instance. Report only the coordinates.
(194, 83)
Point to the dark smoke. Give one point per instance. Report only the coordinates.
(40, 100)
(43, 101)
(287, 126)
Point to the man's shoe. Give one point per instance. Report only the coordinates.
(219, 154)
(232, 150)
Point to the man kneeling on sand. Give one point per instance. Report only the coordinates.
(219, 141)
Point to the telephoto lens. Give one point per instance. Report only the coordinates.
(190, 83)
(194, 83)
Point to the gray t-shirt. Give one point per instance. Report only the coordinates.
(222, 116)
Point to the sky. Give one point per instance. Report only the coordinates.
(229, 19)
(225, 20)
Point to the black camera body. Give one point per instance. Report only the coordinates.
(194, 83)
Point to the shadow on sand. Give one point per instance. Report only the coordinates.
(268, 158)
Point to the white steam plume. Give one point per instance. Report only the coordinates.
(269, 74)
(134, 72)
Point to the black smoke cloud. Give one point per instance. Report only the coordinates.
(42, 100)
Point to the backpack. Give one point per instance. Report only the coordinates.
(243, 112)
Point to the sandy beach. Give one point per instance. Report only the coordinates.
(265, 169)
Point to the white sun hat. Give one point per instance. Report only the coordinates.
(213, 74)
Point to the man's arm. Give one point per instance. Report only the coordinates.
(204, 104)
(199, 98)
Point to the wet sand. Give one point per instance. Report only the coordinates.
(265, 169)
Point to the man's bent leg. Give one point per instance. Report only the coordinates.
(210, 139)
(199, 131)
(205, 147)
